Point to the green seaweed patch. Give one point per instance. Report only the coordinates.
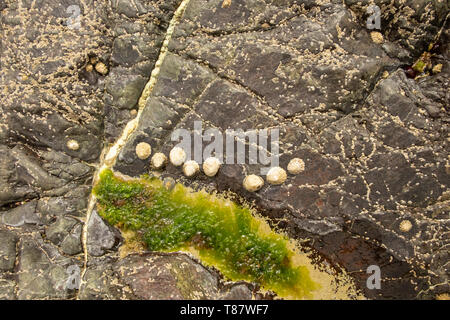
(224, 234)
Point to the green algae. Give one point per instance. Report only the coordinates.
(224, 234)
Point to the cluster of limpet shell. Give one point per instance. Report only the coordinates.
(275, 176)
(252, 182)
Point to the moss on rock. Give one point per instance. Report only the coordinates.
(222, 233)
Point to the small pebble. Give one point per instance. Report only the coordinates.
(276, 176)
(89, 68)
(177, 156)
(253, 183)
(133, 112)
(211, 166)
(405, 226)
(226, 3)
(159, 160)
(410, 73)
(101, 68)
(73, 145)
(93, 60)
(433, 110)
(377, 37)
(143, 150)
(437, 68)
(296, 166)
(190, 168)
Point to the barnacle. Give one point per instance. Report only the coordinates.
(295, 166)
(190, 168)
(159, 160)
(211, 166)
(143, 150)
(177, 156)
(276, 176)
(73, 145)
(253, 183)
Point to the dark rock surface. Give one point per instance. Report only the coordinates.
(159, 277)
(374, 142)
(100, 236)
(50, 96)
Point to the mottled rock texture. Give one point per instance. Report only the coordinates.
(373, 153)
(159, 276)
(374, 142)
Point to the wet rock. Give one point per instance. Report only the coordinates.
(125, 89)
(57, 231)
(343, 105)
(374, 144)
(100, 237)
(24, 214)
(158, 276)
(98, 284)
(71, 244)
(50, 98)
(432, 110)
(72, 202)
(14, 187)
(130, 9)
(238, 292)
(7, 250)
(139, 29)
(170, 277)
(43, 273)
(411, 24)
(7, 289)
(66, 233)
